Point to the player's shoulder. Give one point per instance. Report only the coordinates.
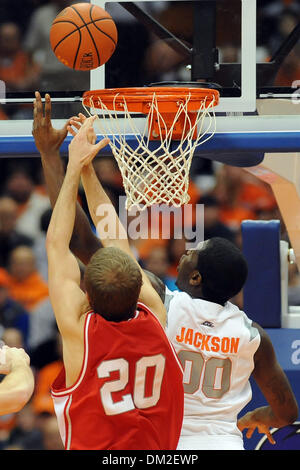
(145, 315)
(169, 295)
(253, 328)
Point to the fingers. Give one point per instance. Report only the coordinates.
(71, 131)
(81, 117)
(37, 106)
(103, 143)
(270, 437)
(91, 136)
(88, 122)
(89, 158)
(47, 107)
(74, 122)
(261, 430)
(84, 123)
(84, 142)
(249, 433)
(95, 150)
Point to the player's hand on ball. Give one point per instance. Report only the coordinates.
(83, 148)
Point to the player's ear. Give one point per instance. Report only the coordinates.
(195, 278)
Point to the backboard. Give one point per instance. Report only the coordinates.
(246, 47)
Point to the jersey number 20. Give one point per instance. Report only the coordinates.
(138, 398)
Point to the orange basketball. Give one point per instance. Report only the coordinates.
(83, 36)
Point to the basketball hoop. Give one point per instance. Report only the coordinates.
(159, 176)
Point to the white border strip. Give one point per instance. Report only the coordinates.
(229, 124)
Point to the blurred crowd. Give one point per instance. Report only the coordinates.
(229, 195)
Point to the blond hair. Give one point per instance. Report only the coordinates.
(113, 282)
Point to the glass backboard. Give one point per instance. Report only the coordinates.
(249, 49)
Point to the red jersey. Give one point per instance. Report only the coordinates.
(129, 394)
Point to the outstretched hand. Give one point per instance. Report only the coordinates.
(77, 121)
(250, 422)
(47, 139)
(83, 148)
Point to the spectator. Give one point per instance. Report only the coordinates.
(26, 433)
(7, 424)
(41, 325)
(12, 314)
(50, 434)
(213, 227)
(24, 283)
(176, 248)
(10, 237)
(281, 19)
(31, 205)
(17, 70)
(42, 401)
(107, 171)
(240, 196)
(13, 338)
(46, 351)
(157, 262)
(18, 12)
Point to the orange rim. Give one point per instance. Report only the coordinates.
(139, 99)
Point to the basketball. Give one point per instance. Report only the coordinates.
(83, 36)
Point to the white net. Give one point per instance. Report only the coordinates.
(155, 173)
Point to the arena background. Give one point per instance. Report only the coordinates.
(230, 194)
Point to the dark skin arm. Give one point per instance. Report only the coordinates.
(48, 140)
(282, 406)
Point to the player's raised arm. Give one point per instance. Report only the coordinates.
(67, 299)
(100, 206)
(282, 406)
(48, 141)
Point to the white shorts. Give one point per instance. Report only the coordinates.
(211, 442)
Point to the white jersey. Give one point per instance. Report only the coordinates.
(215, 345)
